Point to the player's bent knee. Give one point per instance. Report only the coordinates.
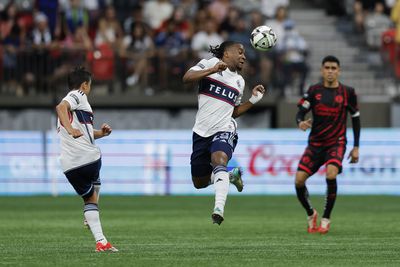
(200, 182)
(301, 178)
(331, 172)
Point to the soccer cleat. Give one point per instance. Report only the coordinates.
(312, 223)
(217, 216)
(325, 225)
(100, 247)
(235, 177)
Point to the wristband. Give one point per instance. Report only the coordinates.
(255, 98)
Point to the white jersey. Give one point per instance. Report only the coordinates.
(77, 152)
(219, 93)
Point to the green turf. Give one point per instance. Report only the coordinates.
(177, 231)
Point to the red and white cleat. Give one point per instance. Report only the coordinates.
(325, 225)
(107, 247)
(312, 223)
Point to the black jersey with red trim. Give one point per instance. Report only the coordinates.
(329, 107)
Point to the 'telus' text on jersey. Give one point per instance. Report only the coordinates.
(219, 93)
(216, 89)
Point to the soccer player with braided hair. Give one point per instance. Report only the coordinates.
(220, 91)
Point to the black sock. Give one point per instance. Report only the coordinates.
(330, 197)
(302, 195)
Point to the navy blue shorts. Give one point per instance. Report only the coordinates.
(84, 178)
(203, 147)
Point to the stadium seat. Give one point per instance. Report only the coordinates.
(101, 62)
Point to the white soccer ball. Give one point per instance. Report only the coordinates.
(263, 38)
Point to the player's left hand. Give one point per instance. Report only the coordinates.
(106, 129)
(354, 155)
(257, 93)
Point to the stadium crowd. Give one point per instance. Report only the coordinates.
(145, 46)
(142, 46)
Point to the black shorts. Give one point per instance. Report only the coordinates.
(316, 156)
(84, 178)
(203, 147)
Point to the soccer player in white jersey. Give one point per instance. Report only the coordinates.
(80, 157)
(214, 133)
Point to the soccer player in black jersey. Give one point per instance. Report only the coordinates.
(329, 103)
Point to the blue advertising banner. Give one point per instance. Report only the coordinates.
(158, 163)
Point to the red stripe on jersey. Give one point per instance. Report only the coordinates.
(219, 98)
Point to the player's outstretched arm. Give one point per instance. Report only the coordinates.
(257, 94)
(196, 75)
(62, 111)
(104, 131)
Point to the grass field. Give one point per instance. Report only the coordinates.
(177, 231)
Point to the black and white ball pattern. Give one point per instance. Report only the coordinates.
(263, 38)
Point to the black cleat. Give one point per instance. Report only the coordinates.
(216, 218)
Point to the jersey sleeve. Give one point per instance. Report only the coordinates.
(352, 105)
(205, 64)
(306, 100)
(75, 99)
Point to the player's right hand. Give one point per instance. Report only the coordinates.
(304, 125)
(220, 66)
(75, 133)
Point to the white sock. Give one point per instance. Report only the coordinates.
(91, 213)
(212, 178)
(221, 183)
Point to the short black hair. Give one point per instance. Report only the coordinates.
(330, 58)
(78, 76)
(218, 50)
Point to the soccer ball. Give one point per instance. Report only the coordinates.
(263, 38)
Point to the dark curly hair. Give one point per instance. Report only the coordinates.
(218, 50)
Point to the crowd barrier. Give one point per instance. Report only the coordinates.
(144, 162)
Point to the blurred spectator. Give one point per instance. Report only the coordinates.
(13, 38)
(172, 51)
(278, 23)
(50, 9)
(76, 16)
(200, 20)
(395, 16)
(293, 52)
(109, 30)
(269, 7)
(202, 40)
(156, 11)
(182, 25)
(137, 48)
(358, 16)
(229, 24)
(40, 62)
(218, 10)
(375, 24)
(189, 7)
(136, 16)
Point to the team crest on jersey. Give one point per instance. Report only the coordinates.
(339, 99)
(318, 96)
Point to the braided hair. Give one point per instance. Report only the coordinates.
(218, 50)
